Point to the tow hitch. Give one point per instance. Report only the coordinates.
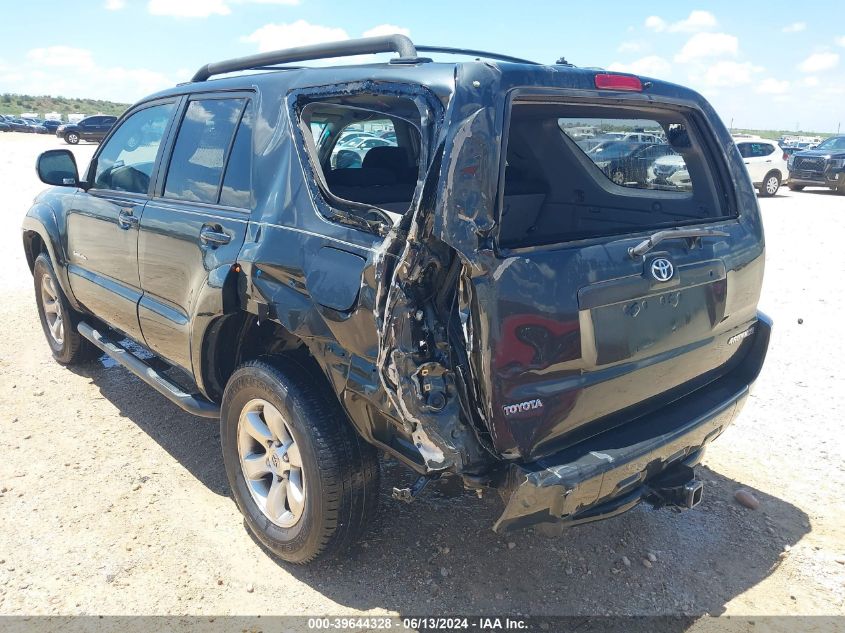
(677, 488)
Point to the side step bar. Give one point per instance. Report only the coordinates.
(195, 404)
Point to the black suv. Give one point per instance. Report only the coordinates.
(822, 166)
(477, 299)
(92, 128)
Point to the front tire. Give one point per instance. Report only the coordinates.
(304, 480)
(770, 185)
(58, 319)
(72, 138)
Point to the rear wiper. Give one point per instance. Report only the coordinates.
(672, 234)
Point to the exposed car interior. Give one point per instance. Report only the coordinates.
(384, 176)
(555, 192)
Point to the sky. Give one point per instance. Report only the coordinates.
(763, 65)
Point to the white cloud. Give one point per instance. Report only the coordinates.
(651, 66)
(202, 8)
(630, 47)
(795, 27)
(811, 81)
(696, 21)
(704, 45)
(61, 56)
(386, 29)
(818, 62)
(841, 40)
(114, 5)
(726, 74)
(772, 86)
(271, 37)
(74, 72)
(289, 3)
(188, 8)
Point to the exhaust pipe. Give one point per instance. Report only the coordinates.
(676, 488)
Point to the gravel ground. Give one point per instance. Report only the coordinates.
(114, 501)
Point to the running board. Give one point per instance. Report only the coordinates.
(195, 404)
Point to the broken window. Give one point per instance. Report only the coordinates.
(365, 148)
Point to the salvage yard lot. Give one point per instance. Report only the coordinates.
(114, 501)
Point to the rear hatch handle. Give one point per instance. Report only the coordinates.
(693, 235)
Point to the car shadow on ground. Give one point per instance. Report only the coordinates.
(192, 441)
(439, 556)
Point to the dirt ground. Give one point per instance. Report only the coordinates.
(114, 501)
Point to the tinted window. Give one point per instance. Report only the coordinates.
(559, 186)
(744, 149)
(199, 156)
(127, 159)
(237, 183)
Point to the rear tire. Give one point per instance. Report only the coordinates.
(331, 482)
(71, 138)
(58, 319)
(796, 187)
(770, 184)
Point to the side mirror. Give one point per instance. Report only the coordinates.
(57, 167)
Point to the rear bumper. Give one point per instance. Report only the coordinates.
(612, 472)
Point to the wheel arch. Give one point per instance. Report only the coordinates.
(41, 235)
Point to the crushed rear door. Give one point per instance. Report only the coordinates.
(572, 320)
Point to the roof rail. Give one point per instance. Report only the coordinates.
(474, 53)
(400, 44)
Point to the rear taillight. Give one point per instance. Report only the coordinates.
(606, 81)
(785, 156)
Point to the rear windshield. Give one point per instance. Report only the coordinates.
(576, 172)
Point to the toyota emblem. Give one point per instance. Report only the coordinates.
(662, 269)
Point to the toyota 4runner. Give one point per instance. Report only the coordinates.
(474, 296)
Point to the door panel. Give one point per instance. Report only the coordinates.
(174, 264)
(185, 232)
(102, 239)
(102, 229)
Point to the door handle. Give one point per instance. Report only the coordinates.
(126, 220)
(214, 235)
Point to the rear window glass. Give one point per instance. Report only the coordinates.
(576, 172)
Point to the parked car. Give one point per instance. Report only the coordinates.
(823, 166)
(92, 128)
(20, 125)
(353, 154)
(4, 127)
(628, 161)
(478, 301)
(632, 137)
(669, 171)
(51, 125)
(766, 163)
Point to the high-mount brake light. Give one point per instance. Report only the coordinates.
(607, 81)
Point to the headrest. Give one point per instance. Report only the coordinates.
(387, 157)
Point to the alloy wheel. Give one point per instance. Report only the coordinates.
(52, 309)
(271, 463)
(772, 185)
